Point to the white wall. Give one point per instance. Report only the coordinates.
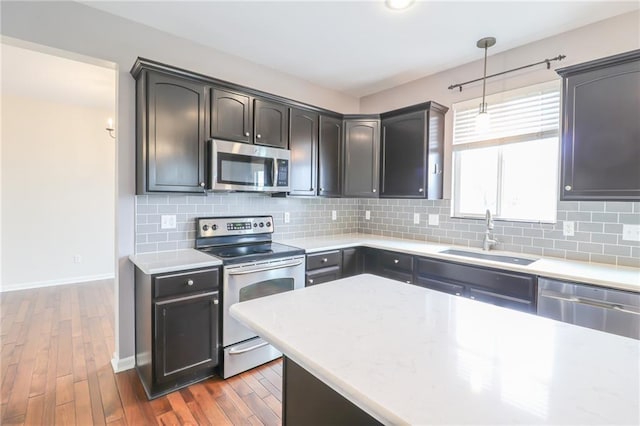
(80, 29)
(58, 166)
(604, 38)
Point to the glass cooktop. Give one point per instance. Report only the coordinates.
(240, 253)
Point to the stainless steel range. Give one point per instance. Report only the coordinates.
(253, 266)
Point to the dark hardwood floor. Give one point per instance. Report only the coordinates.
(55, 362)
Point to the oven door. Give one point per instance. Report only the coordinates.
(242, 167)
(251, 281)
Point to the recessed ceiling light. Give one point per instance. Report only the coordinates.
(398, 4)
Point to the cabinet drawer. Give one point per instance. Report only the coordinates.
(500, 300)
(508, 283)
(397, 275)
(322, 276)
(181, 284)
(445, 287)
(396, 261)
(324, 260)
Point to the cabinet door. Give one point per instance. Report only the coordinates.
(303, 143)
(186, 335)
(435, 155)
(271, 124)
(440, 285)
(362, 143)
(601, 133)
(330, 157)
(351, 262)
(230, 116)
(502, 300)
(403, 162)
(176, 125)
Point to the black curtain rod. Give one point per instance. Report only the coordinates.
(546, 61)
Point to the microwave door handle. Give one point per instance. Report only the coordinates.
(274, 173)
(214, 164)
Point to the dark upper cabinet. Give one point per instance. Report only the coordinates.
(361, 157)
(330, 157)
(412, 152)
(303, 143)
(271, 123)
(231, 116)
(601, 129)
(171, 122)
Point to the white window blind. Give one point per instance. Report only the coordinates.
(490, 172)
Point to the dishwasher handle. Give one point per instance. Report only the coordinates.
(589, 302)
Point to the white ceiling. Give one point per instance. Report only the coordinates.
(361, 47)
(39, 75)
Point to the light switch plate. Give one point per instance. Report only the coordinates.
(416, 218)
(631, 232)
(287, 217)
(568, 228)
(334, 215)
(367, 214)
(434, 220)
(168, 221)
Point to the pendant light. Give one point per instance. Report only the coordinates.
(483, 121)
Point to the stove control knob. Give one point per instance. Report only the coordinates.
(205, 228)
(214, 227)
(255, 224)
(268, 224)
(261, 224)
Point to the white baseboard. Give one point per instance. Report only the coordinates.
(122, 364)
(51, 283)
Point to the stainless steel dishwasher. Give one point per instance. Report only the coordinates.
(613, 311)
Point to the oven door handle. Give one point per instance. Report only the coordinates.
(250, 348)
(268, 268)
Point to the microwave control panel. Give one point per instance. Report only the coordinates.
(283, 173)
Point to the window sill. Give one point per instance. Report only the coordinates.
(499, 219)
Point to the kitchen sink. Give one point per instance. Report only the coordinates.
(494, 257)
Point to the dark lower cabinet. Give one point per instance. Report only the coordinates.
(303, 143)
(330, 157)
(307, 401)
(601, 129)
(351, 261)
(323, 275)
(177, 328)
(171, 122)
(502, 288)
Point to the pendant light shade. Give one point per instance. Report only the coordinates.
(483, 120)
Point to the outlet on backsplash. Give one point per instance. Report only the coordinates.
(287, 217)
(631, 232)
(568, 228)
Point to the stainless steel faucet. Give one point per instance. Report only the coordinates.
(488, 240)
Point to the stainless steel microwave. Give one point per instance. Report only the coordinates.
(235, 166)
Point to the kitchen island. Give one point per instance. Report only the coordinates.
(406, 355)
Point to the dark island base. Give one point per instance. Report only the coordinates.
(307, 401)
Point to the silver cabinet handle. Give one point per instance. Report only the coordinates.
(310, 281)
(246, 133)
(202, 184)
(374, 190)
(472, 297)
(420, 190)
(457, 294)
(396, 261)
(321, 189)
(325, 260)
(568, 188)
(215, 301)
(258, 136)
(189, 282)
(408, 282)
(251, 348)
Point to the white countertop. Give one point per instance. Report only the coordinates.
(620, 277)
(171, 261)
(408, 355)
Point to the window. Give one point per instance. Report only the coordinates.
(511, 168)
